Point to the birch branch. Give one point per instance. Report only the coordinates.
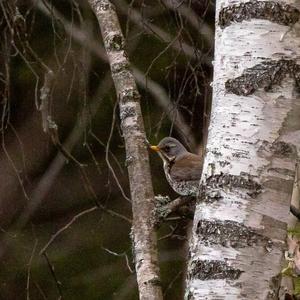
(142, 196)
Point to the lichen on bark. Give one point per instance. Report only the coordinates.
(212, 269)
(264, 75)
(244, 181)
(230, 234)
(280, 13)
(278, 149)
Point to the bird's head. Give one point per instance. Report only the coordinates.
(169, 149)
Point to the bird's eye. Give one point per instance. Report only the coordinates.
(167, 148)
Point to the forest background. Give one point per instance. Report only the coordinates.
(75, 174)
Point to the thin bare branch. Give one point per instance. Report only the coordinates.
(45, 97)
(54, 236)
(150, 28)
(107, 152)
(76, 217)
(48, 178)
(142, 196)
(168, 106)
(53, 274)
(158, 93)
(29, 270)
(193, 19)
(123, 254)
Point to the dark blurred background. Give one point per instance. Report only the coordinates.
(47, 179)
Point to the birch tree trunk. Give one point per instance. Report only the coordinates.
(142, 195)
(239, 231)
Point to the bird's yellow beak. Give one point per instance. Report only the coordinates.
(155, 148)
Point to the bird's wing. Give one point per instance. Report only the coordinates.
(187, 168)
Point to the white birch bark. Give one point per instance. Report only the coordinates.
(239, 231)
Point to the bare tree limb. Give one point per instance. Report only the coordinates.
(158, 93)
(45, 97)
(142, 196)
(165, 206)
(140, 21)
(46, 181)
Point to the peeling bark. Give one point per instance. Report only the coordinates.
(144, 238)
(239, 231)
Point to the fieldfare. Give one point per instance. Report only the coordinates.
(182, 168)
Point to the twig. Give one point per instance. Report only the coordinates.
(162, 52)
(172, 282)
(120, 255)
(164, 210)
(107, 152)
(173, 229)
(194, 20)
(154, 30)
(54, 236)
(29, 269)
(115, 214)
(168, 106)
(65, 227)
(40, 290)
(179, 202)
(111, 153)
(46, 181)
(158, 93)
(57, 282)
(45, 97)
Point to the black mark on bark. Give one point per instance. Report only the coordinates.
(233, 181)
(190, 296)
(119, 67)
(276, 12)
(208, 195)
(264, 75)
(230, 234)
(154, 281)
(114, 42)
(210, 192)
(98, 4)
(283, 149)
(278, 149)
(127, 111)
(130, 95)
(213, 269)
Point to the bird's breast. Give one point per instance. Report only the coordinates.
(184, 188)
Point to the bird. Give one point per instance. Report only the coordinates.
(182, 168)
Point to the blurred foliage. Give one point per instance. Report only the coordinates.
(294, 231)
(41, 190)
